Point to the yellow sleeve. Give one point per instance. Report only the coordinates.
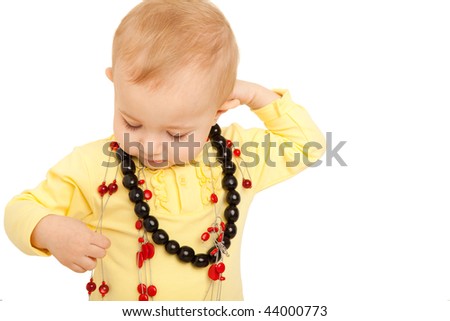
(63, 192)
(290, 143)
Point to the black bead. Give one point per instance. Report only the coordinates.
(121, 155)
(127, 166)
(216, 257)
(186, 254)
(142, 209)
(225, 157)
(228, 168)
(215, 131)
(151, 224)
(218, 148)
(220, 143)
(229, 182)
(231, 213)
(230, 230)
(130, 181)
(201, 260)
(233, 197)
(136, 195)
(172, 247)
(160, 237)
(226, 242)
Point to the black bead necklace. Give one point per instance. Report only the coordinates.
(151, 224)
(222, 231)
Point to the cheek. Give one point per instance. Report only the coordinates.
(202, 136)
(193, 146)
(203, 140)
(127, 141)
(119, 130)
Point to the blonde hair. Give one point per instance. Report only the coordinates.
(157, 38)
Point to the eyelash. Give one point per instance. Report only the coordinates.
(129, 127)
(133, 128)
(178, 135)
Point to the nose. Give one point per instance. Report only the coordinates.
(154, 147)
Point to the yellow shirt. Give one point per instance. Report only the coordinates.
(181, 203)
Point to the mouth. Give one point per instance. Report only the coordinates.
(156, 162)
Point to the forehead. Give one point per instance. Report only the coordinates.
(183, 94)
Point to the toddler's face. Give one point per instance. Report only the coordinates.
(167, 125)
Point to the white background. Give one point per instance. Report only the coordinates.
(369, 240)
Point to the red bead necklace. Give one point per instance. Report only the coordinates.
(222, 232)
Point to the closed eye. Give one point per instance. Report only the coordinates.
(130, 127)
(178, 135)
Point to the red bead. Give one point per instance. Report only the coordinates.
(148, 251)
(210, 229)
(142, 288)
(138, 224)
(141, 240)
(103, 289)
(229, 143)
(213, 252)
(144, 252)
(141, 182)
(139, 259)
(112, 188)
(91, 286)
(114, 146)
(151, 250)
(147, 194)
(102, 189)
(152, 290)
(205, 236)
(246, 183)
(219, 239)
(222, 226)
(143, 297)
(214, 198)
(222, 278)
(212, 272)
(216, 229)
(237, 152)
(220, 267)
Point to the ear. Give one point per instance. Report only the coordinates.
(226, 106)
(109, 73)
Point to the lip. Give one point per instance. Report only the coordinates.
(156, 162)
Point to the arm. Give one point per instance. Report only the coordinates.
(47, 219)
(290, 143)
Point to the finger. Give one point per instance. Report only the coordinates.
(100, 241)
(230, 104)
(76, 268)
(86, 263)
(95, 252)
(72, 265)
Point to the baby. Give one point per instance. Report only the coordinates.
(156, 211)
